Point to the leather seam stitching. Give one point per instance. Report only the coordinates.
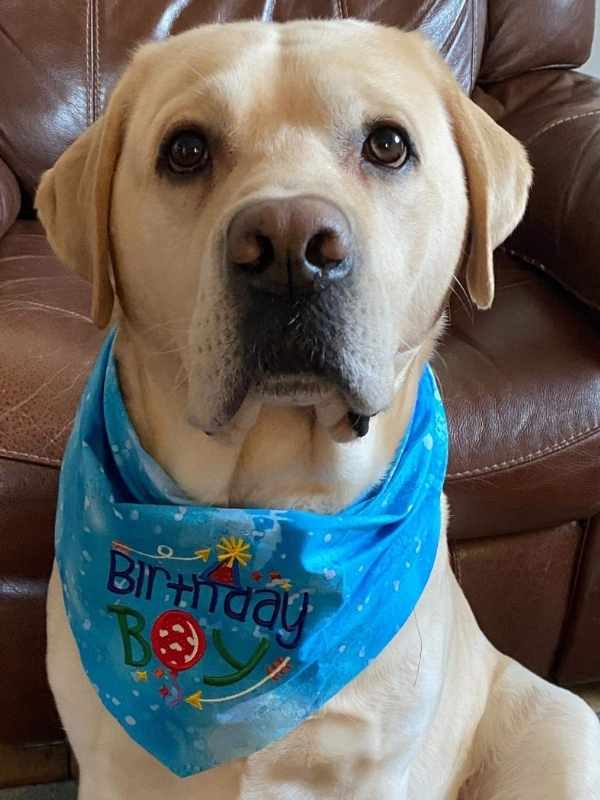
(534, 262)
(558, 122)
(555, 447)
(458, 19)
(93, 58)
(96, 59)
(479, 471)
(475, 42)
(60, 312)
(87, 61)
(55, 462)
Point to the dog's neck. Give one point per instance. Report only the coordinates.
(284, 460)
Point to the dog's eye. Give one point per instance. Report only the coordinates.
(187, 151)
(387, 146)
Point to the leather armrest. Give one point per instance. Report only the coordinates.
(556, 114)
(10, 198)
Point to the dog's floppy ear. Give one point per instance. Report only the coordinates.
(73, 203)
(498, 178)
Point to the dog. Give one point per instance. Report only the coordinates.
(360, 131)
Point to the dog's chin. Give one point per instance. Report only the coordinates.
(329, 402)
(322, 398)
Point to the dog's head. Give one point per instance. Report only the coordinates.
(280, 210)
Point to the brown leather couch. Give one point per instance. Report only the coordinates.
(521, 382)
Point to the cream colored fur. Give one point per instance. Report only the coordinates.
(440, 715)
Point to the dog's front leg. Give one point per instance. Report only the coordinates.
(535, 741)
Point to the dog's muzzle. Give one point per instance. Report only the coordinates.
(303, 329)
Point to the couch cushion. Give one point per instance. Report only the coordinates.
(47, 345)
(556, 114)
(519, 588)
(522, 389)
(27, 500)
(527, 35)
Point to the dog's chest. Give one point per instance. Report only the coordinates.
(343, 759)
(360, 746)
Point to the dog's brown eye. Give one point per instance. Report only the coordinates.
(388, 146)
(187, 151)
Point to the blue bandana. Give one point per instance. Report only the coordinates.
(210, 632)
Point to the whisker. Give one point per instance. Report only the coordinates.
(171, 350)
(184, 323)
(464, 298)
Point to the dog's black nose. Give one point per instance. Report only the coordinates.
(290, 246)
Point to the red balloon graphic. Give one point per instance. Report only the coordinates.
(178, 640)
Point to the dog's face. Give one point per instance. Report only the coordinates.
(285, 207)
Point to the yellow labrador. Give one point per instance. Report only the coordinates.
(360, 129)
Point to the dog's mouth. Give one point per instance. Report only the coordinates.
(320, 397)
(293, 389)
(318, 353)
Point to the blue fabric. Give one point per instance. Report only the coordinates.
(210, 632)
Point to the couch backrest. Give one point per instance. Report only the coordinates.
(60, 58)
(526, 35)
